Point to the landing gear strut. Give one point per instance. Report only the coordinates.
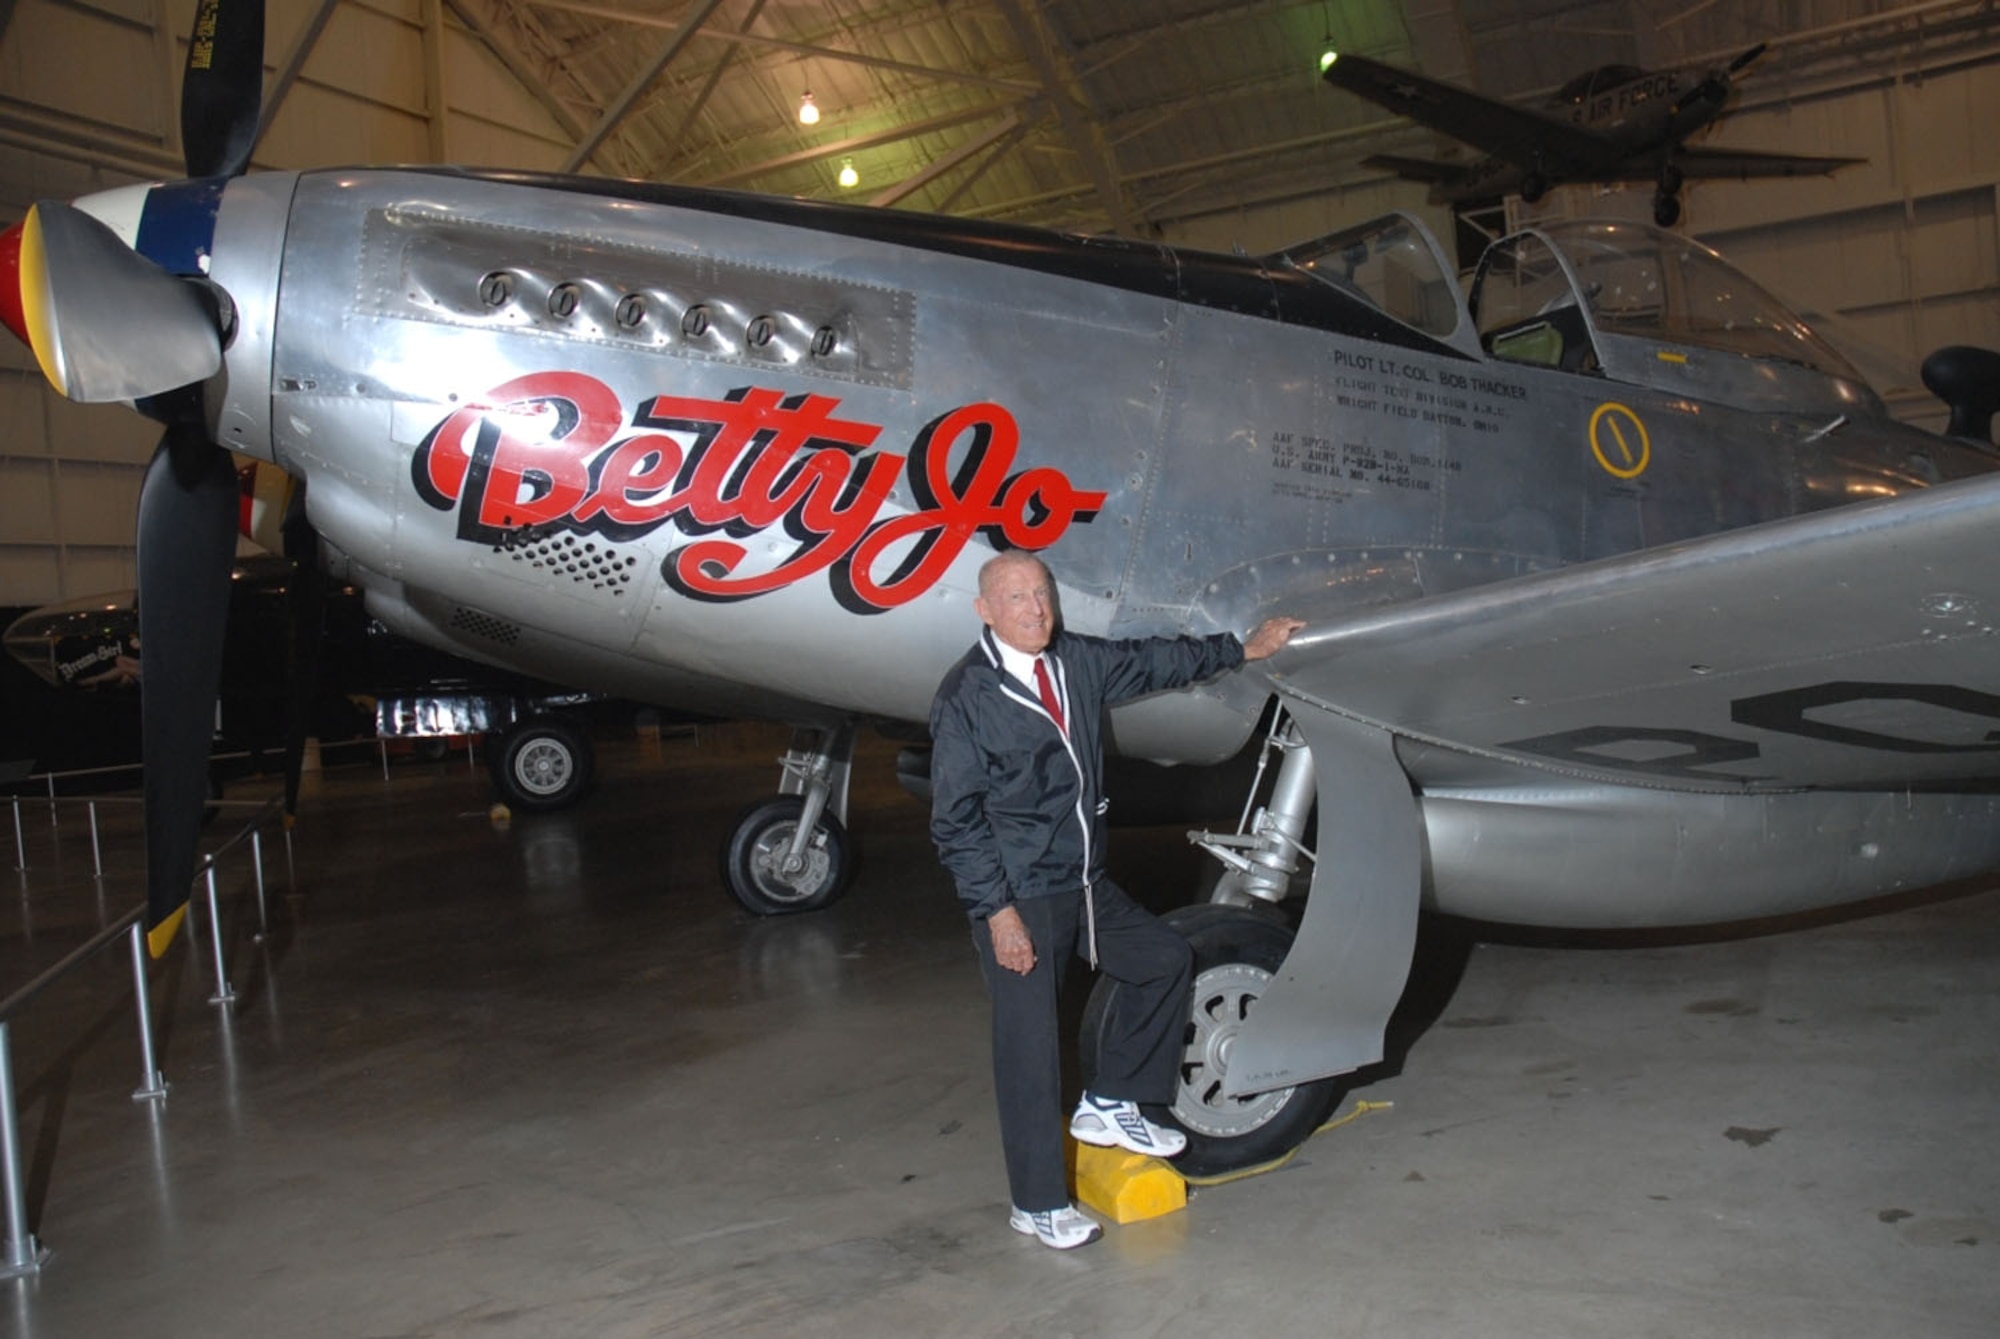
(792, 853)
(1260, 858)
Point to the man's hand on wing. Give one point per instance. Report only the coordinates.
(1269, 636)
(1012, 946)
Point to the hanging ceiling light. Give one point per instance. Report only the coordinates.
(808, 110)
(849, 178)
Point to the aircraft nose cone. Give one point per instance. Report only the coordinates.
(106, 323)
(11, 314)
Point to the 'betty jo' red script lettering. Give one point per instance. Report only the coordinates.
(555, 451)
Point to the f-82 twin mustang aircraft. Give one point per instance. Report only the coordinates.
(1614, 123)
(1628, 605)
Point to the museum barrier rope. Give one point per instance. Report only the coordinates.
(19, 1252)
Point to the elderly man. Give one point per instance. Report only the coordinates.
(1017, 812)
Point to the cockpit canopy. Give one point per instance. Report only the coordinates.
(1580, 89)
(1625, 301)
(1639, 304)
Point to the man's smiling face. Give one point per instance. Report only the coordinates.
(1018, 601)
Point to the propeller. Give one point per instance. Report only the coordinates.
(1714, 90)
(187, 543)
(222, 91)
(108, 324)
(1736, 66)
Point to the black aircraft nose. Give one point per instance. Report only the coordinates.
(1967, 379)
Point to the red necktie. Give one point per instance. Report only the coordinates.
(1048, 692)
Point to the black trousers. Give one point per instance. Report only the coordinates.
(1140, 1051)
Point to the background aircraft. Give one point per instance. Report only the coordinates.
(1629, 605)
(367, 682)
(1615, 123)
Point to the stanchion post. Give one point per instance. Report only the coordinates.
(382, 747)
(257, 859)
(223, 994)
(154, 1085)
(96, 854)
(53, 822)
(20, 1253)
(20, 843)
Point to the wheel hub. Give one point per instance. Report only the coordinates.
(1223, 999)
(781, 881)
(543, 767)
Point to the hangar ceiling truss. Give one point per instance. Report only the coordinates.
(1096, 115)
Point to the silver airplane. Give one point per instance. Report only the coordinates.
(1613, 123)
(1629, 605)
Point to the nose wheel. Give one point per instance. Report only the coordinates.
(791, 852)
(771, 872)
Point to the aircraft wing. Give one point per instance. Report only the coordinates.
(1849, 648)
(1719, 163)
(1494, 127)
(1416, 169)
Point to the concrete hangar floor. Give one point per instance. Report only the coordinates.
(547, 1080)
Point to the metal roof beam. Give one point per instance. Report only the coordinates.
(855, 143)
(802, 48)
(295, 61)
(708, 88)
(1076, 129)
(517, 63)
(941, 165)
(620, 109)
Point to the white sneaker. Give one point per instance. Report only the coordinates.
(1108, 1122)
(1064, 1229)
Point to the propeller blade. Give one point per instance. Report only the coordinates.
(305, 608)
(107, 324)
(222, 91)
(187, 545)
(1748, 56)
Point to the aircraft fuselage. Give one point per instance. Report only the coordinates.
(662, 443)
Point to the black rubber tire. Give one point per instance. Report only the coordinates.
(1533, 187)
(1235, 951)
(541, 764)
(749, 860)
(1666, 210)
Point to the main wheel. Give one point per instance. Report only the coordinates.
(541, 763)
(1666, 210)
(1236, 953)
(753, 861)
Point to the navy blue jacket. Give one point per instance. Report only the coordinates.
(1017, 809)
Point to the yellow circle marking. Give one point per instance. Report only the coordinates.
(1619, 441)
